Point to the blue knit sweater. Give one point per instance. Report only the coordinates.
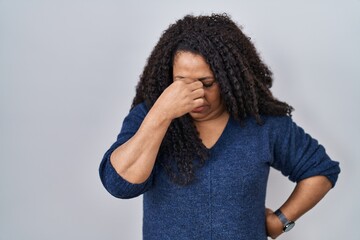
(227, 199)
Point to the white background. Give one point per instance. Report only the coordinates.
(68, 71)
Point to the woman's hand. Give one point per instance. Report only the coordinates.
(273, 224)
(181, 97)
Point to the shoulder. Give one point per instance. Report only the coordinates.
(136, 115)
(277, 122)
(280, 127)
(138, 111)
(273, 123)
(272, 128)
(140, 108)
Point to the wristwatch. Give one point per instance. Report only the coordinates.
(287, 225)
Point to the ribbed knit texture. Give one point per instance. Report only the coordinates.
(227, 199)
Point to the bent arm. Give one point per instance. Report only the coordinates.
(135, 159)
(305, 196)
(127, 166)
(115, 183)
(305, 161)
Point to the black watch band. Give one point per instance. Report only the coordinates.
(287, 224)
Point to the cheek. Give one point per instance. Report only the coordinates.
(213, 97)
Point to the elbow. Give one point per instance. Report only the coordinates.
(117, 185)
(328, 169)
(132, 172)
(134, 177)
(120, 188)
(332, 179)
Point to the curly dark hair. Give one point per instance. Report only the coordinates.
(244, 81)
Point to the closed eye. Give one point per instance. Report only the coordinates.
(208, 84)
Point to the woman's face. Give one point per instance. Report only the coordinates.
(194, 67)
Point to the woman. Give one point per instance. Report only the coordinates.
(202, 134)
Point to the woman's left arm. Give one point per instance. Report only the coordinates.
(301, 158)
(307, 193)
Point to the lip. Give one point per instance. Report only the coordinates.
(198, 109)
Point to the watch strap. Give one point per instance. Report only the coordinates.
(287, 224)
(281, 216)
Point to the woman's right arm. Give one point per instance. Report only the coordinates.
(135, 159)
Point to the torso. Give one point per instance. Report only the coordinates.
(227, 198)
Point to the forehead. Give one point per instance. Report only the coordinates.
(188, 62)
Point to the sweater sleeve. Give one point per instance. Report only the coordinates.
(299, 156)
(112, 181)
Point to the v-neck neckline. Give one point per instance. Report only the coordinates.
(222, 135)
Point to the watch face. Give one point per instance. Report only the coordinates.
(288, 226)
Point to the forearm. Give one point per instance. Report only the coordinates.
(305, 196)
(135, 159)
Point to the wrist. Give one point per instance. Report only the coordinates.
(162, 112)
(287, 224)
(273, 224)
(159, 117)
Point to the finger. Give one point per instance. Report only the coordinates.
(186, 80)
(195, 85)
(198, 93)
(198, 102)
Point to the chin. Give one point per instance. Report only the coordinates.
(199, 116)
